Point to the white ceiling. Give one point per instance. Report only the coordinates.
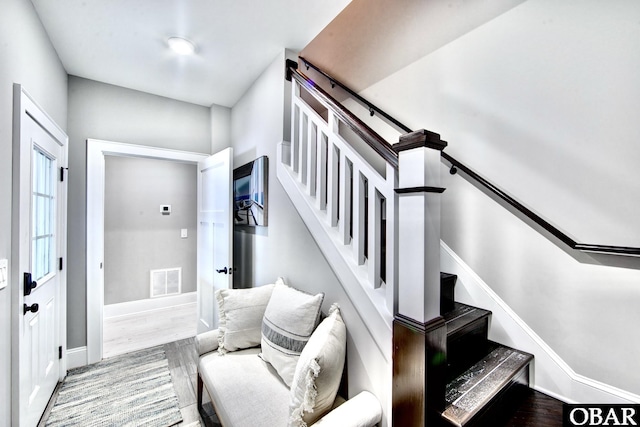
(123, 42)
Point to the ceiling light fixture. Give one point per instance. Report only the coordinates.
(181, 46)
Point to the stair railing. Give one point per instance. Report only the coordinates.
(352, 196)
(473, 176)
(385, 224)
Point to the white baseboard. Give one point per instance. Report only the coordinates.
(140, 306)
(550, 374)
(76, 357)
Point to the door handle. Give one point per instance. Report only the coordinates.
(31, 308)
(29, 284)
(222, 270)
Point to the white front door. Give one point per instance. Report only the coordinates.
(38, 276)
(215, 234)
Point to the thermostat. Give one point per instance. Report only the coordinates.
(165, 209)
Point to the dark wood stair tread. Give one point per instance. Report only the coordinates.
(461, 316)
(478, 386)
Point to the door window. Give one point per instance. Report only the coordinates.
(43, 219)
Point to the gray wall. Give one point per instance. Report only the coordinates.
(138, 238)
(543, 101)
(102, 111)
(26, 57)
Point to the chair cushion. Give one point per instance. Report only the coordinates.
(245, 390)
(290, 318)
(319, 370)
(240, 316)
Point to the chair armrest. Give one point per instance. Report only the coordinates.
(362, 410)
(207, 342)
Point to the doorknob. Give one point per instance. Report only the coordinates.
(222, 270)
(30, 308)
(29, 284)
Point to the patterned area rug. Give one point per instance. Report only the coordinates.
(134, 389)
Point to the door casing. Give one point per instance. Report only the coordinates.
(96, 150)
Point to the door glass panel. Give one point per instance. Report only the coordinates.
(43, 195)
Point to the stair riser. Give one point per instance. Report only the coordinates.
(447, 287)
(467, 346)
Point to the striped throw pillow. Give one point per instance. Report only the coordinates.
(289, 320)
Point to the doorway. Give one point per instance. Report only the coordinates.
(97, 150)
(150, 253)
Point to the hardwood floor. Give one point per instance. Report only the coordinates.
(530, 408)
(173, 328)
(123, 334)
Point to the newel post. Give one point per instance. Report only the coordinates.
(419, 331)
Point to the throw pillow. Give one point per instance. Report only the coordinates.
(289, 320)
(319, 371)
(240, 313)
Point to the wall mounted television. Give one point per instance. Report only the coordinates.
(250, 193)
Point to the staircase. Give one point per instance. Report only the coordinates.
(480, 372)
(344, 180)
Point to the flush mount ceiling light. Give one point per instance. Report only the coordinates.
(181, 46)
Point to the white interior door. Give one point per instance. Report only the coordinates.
(38, 278)
(215, 234)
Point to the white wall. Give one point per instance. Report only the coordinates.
(220, 128)
(138, 237)
(26, 57)
(543, 101)
(285, 248)
(102, 111)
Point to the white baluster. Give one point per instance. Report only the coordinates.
(312, 152)
(304, 140)
(321, 171)
(359, 200)
(295, 134)
(346, 174)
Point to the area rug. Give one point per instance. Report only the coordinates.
(134, 389)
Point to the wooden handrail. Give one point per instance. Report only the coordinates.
(468, 172)
(368, 135)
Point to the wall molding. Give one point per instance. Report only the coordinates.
(550, 374)
(77, 357)
(149, 304)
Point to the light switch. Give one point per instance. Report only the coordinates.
(183, 233)
(4, 273)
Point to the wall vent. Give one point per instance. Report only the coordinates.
(166, 281)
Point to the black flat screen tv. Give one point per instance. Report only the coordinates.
(250, 193)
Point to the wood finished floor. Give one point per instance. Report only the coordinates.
(124, 334)
(528, 408)
(173, 328)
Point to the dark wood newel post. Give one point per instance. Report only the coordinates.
(419, 331)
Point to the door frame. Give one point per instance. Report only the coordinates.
(24, 105)
(96, 152)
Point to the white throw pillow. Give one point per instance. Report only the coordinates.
(289, 320)
(319, 371)
(240, 316)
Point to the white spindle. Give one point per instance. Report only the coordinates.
(312, 152)
(359, 200)
(304, 143)
(295, 133)
(321, 171)
(333, 171)
(375, 236)
(346, 172)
